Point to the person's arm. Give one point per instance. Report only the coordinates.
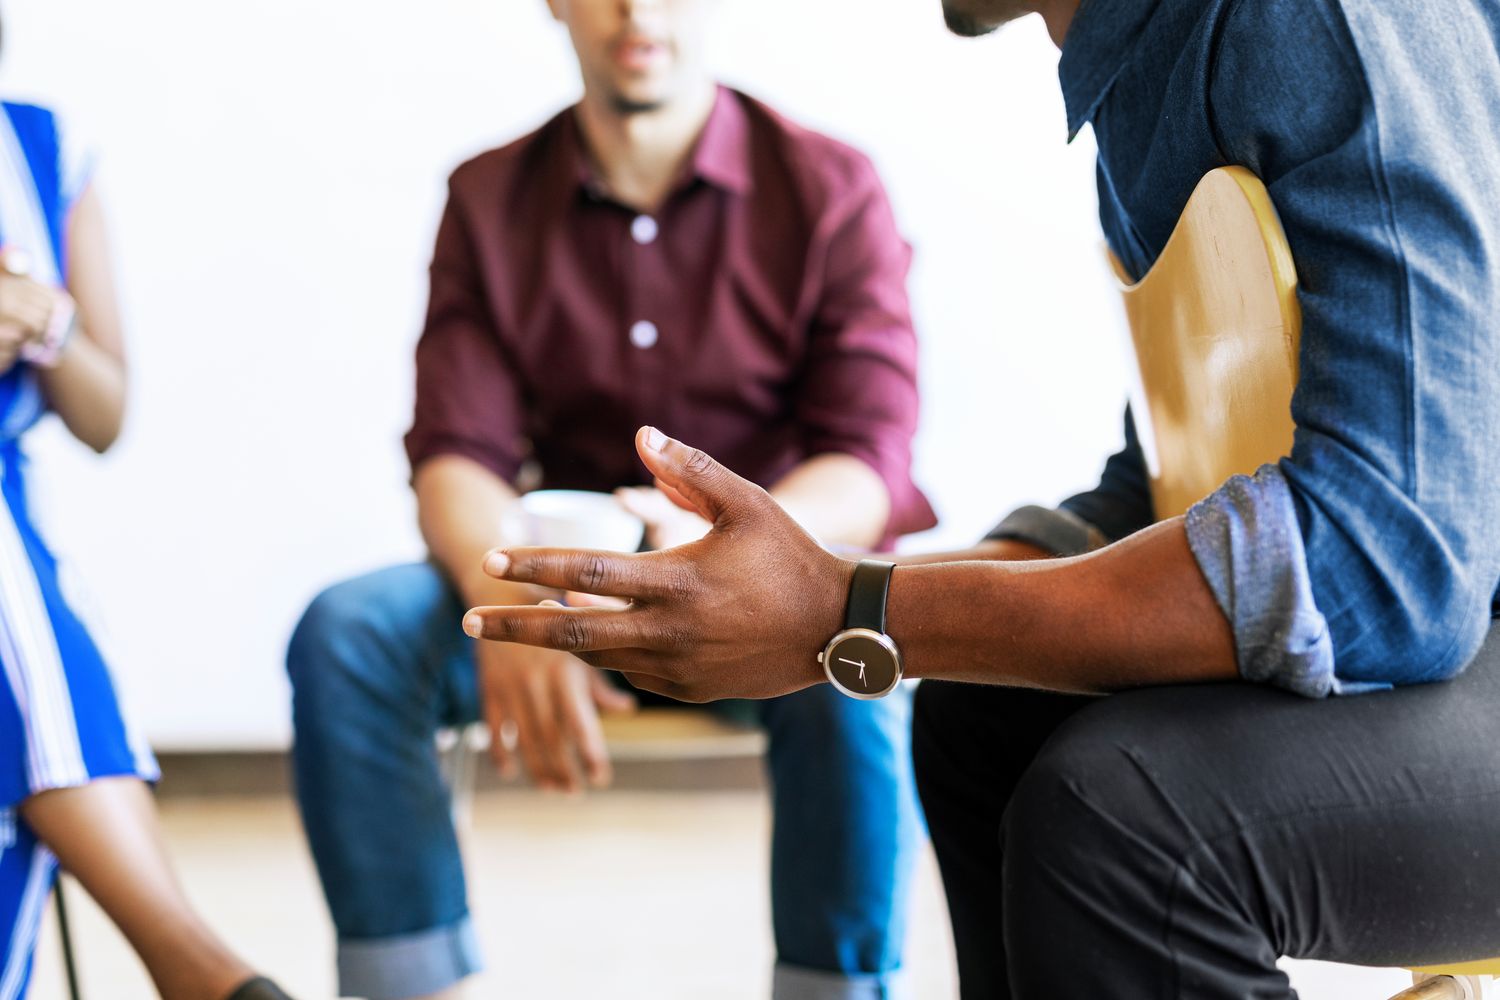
(744, 611)
(465, 451)
(1369, 556)
(839, 499)
(87, 386)
(856, 400)
(461, 508)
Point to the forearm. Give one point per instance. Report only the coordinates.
(460, 509)
(839, 499)
(1136, 613)
(87, 390)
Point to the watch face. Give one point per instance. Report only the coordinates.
(863, 663)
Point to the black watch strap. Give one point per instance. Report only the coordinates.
(867, 595)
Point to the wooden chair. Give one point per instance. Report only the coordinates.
(1216, 329)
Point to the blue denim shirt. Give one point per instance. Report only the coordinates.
(1370, 556)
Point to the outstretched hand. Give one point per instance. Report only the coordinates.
(740, 613)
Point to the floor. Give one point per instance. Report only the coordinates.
(629, 894)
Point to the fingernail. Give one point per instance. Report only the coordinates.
(496, 563)
(550, 604)
(472, 625)
(655, 439)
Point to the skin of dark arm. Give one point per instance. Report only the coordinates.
(1135, 613)
(744, 611)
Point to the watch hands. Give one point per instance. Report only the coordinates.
(861, 665)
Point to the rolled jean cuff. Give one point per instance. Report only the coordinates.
(791, 982)
(408, 965)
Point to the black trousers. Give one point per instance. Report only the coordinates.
(1174, 842)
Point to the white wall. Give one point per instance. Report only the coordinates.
(273, 173)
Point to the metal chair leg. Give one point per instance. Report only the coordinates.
(65, 933)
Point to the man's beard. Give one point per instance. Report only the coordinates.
(965, 24)
(629, 106)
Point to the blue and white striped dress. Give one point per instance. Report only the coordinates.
(60, 723)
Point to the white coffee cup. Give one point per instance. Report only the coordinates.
(572, 519)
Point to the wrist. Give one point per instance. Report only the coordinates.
(861, 660)
(829, 613)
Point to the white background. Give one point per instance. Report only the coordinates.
(273, 173)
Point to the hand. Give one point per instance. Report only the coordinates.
(26, 308)
(667, 525)
(547, 705)
(12, 339)
(742, 612)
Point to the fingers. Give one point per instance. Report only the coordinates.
(503, 735)
(528, 738)
(544, 696)
(646, 575)
(12, 335)
(610, 699)
(713, 491)
(570, 630)
(26, 304)
(581, 720)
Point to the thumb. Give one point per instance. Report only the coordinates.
(714, 492)
(610, 699)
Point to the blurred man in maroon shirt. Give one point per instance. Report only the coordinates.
(665, 252)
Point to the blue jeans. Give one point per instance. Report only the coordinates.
(379, 663)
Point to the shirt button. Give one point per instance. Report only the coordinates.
(644, 229)
(644, 334)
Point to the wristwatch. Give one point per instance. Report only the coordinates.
(862, 661)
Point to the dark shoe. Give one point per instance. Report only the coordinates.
(259, 988)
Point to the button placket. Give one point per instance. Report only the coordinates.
(644, 230)
(644, 334)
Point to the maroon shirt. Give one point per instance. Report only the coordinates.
(760, 315)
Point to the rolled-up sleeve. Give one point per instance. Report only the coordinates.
(1370, 556)
(858, 388)
(469, 400)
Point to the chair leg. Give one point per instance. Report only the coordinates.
(65, 934)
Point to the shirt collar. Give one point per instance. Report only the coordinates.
(720, 157)
(1100, 40)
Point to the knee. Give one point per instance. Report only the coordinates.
(320, 640)
(349, 639)
(1089, 808)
